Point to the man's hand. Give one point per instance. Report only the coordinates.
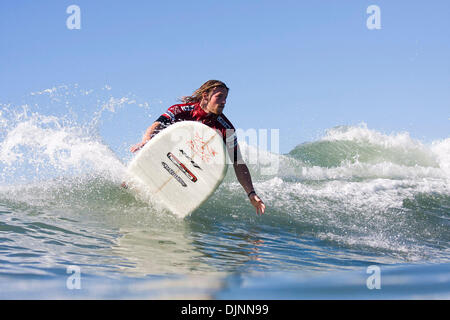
(137, 147)
(257, 203)
(149, 133)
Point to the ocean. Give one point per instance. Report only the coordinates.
(355, 214)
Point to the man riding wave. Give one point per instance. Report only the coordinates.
(206, 105)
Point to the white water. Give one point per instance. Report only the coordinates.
(360, 200)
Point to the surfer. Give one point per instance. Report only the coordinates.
(206, 105)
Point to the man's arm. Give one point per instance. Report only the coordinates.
(166, 119)
(245, 179)
(149, 133)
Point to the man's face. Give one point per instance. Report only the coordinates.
(217, 100)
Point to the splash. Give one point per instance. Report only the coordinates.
(353, 152)
(56, 133)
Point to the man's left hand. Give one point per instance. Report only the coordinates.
(257, 203)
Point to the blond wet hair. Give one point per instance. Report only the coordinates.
(206, 87)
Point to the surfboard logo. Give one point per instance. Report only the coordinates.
(190, 159)
(177, 177)
(200, 147)
(182, 167)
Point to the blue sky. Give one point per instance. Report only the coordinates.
(297, 66)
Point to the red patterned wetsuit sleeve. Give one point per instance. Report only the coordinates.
(177, 112)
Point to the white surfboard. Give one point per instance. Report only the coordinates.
(181, 166)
